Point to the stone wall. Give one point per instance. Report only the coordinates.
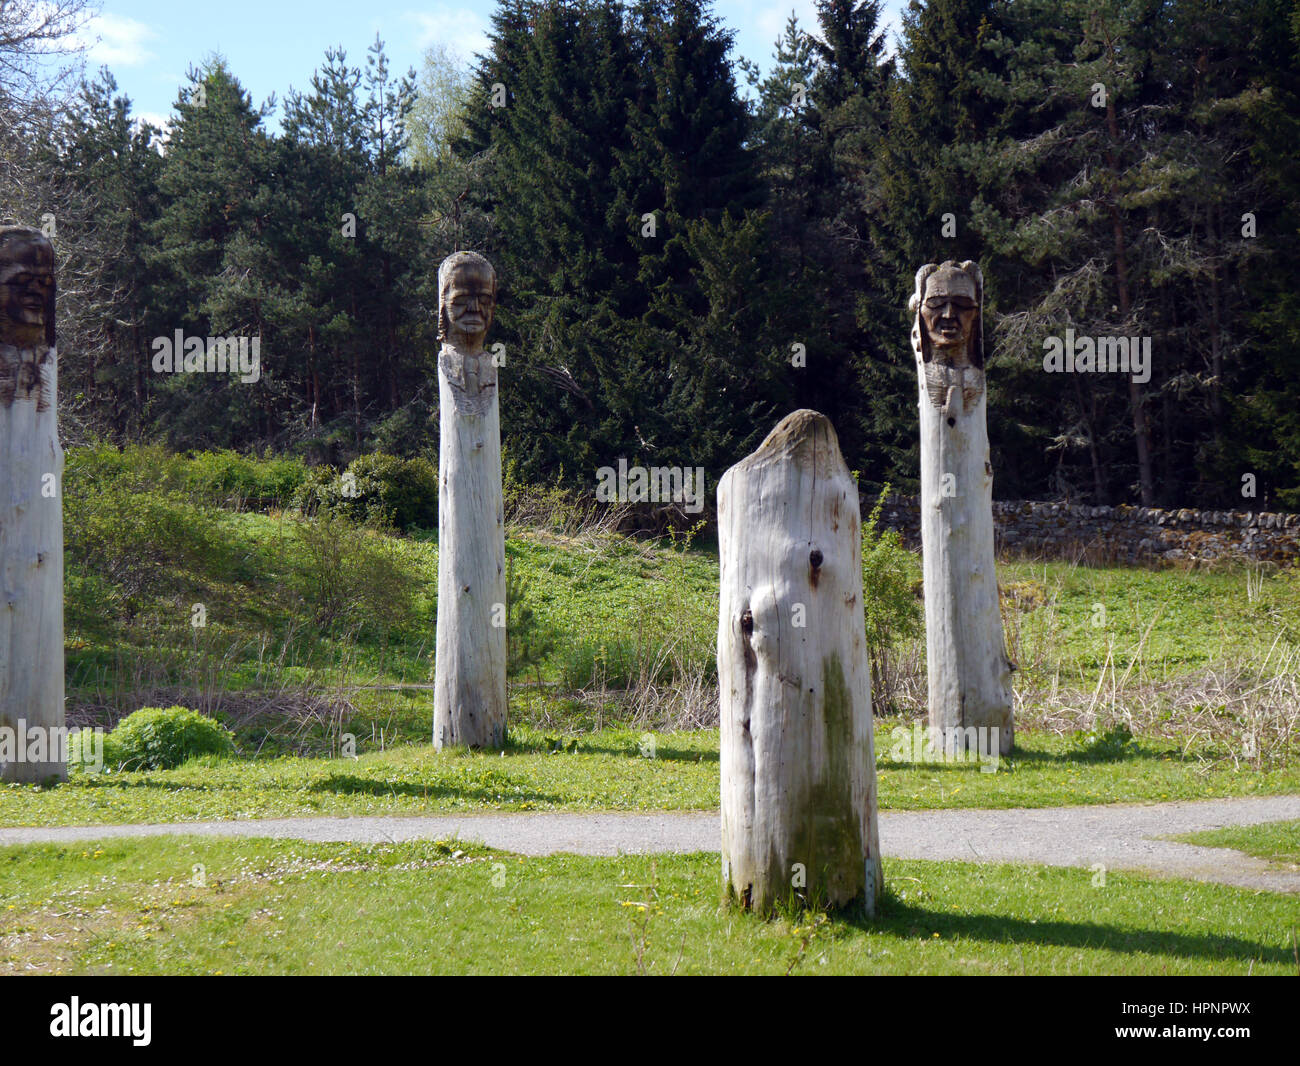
(1122, 534)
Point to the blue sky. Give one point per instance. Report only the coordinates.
(270, 46)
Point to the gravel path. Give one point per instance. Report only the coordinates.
(1120, 837)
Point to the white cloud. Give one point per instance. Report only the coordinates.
(460, 30)
(163, 122)
(117, 41)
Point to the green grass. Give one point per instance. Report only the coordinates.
(189, 906)
(255, 575)
(1278, 842)
(606, 770)
(1192, 616)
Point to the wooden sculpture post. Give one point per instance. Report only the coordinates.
(31, 515)
(469, 702)
(967, 663)
(798, 769)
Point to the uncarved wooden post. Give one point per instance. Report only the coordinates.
(798, 766)
(966, 659)
(469, 706)
(31, 515)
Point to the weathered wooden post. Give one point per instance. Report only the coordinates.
(798, 766)
(32, 745)
(469, 701)
(966, 658)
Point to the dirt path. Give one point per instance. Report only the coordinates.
(1120, 837)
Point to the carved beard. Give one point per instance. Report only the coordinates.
(26, 374)
(940, 377)
(472, 377)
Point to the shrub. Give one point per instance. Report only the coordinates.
(139, 545)
(82, 752)
(227, 479)
(161, 738)
(352, 580)
(222, 478)
(528, 640)
(892, 610)
(375, 487)
(1105, 746)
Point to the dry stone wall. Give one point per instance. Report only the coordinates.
(1124, 533)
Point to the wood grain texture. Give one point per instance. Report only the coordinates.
(31, 571)
(967, 665)
(797, 760)
(470, 665)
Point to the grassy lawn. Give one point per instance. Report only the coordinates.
(189, 906)
(1278, 842)
(608, 770)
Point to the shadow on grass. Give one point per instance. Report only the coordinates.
(565, 745)
(910, 922)
(1028, 759)
(351, 784)
(115, 781)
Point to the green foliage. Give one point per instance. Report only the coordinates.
(375, 488)
(224, 478)
(220, 478)
(88, 753)
(528, 640)
(890, 576)
(607, 659)
(351, 579)
(126, 546)
(162, 738)
(1105, 745)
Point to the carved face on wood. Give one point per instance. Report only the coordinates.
(26, 288)
(467, 296)
(948, 312)
(948, 303)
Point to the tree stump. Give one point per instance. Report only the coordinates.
(968, 668)
(31, 515)
(469, 707)
(798, 766)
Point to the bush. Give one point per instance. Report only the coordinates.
(161, 738)
(82, 751)
(352, 580)
(601, 661)
(221, 478)
(375, 487)
(893, 612)
(227, 479)
(528, 640)
(127, 547)
(1111, 745)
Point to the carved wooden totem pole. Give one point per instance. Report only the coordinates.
(469, 702)
(798, 769)
(967, 663)
(31, 514)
